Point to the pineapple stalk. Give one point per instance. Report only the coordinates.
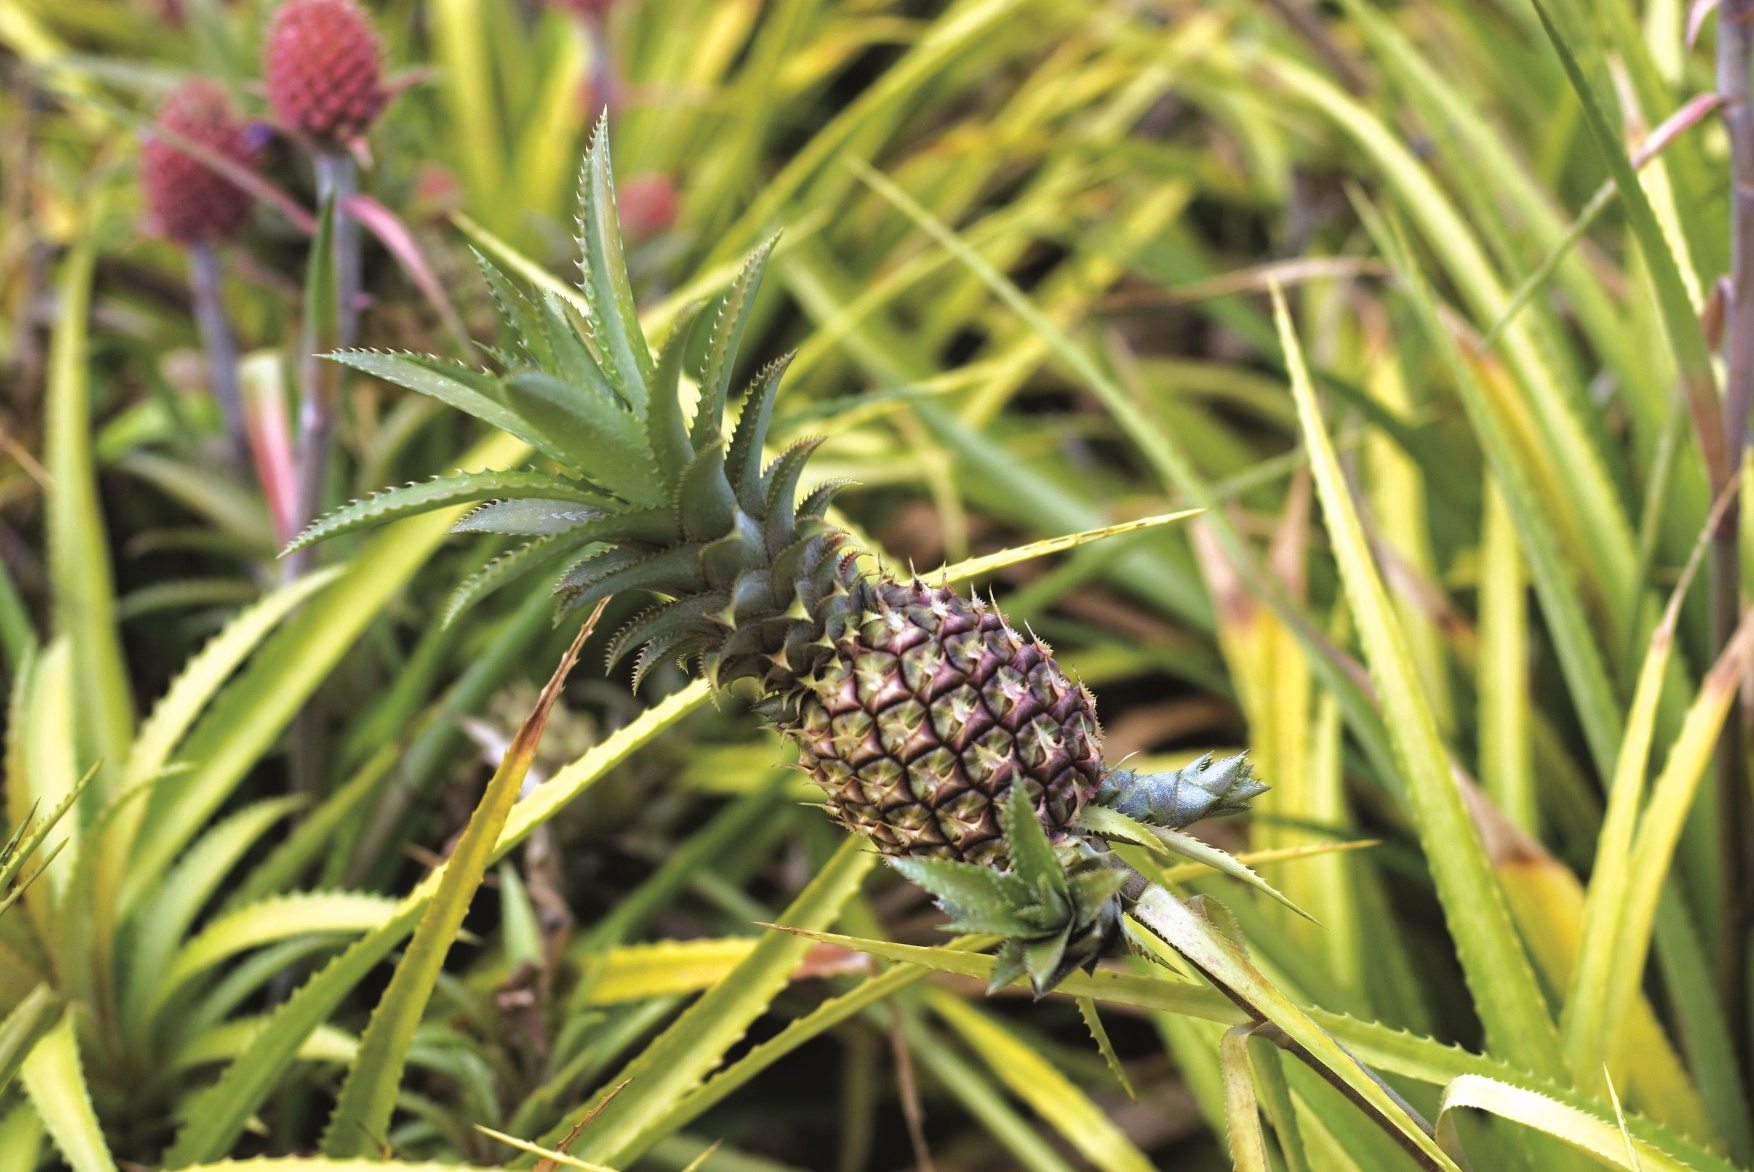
(956, 745)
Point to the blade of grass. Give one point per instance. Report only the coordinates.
(1575, 645)
(1242, 1115)
(1506, 766)
(23, 1027)
(1197, 940)
(1605, 532)
(981, 1099)
(459, 45)
(218, 1115)
(1170, 463)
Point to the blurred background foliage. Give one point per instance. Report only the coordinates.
(1135, 174)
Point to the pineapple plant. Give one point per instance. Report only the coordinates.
(956, 745)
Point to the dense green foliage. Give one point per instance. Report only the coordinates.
(1420, 304)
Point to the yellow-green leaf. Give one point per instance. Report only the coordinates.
(1039, 1083)
(55, 1081)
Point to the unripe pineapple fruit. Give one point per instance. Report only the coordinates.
(956, 745)
(324, 69)
(930, 711)
(188, 201)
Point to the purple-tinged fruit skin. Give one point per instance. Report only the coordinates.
(932, 709)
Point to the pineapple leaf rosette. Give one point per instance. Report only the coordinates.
(952, 742)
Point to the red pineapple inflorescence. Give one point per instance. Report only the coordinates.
(325, 70)
(648, 206)
(189, 202)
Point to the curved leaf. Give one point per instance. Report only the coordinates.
(1590, 1133)
(368, 1097)
(440, 491)
(272, 920)
(55, 1081)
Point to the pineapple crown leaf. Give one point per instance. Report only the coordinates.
(505, 568)
(593, 568)
(1206, 788)
(437, 493)
(612, 319)
(573, 357)
(706, 504)
(743, 459)
(528, 516)
(588, 432)
(518, 314)
(727, 335)
(815, 505)
(977, 898)
(679, 646)
(702, 521)
(455, 385)
(696, 615)
(780, 491)
(674, 571)
(666, 431)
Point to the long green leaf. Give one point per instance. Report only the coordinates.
(1242, 1115)
(281, 918)
(1597, 997)
(218, 1115)
(1625, 934)
(29, 1020)
(982, 1100)
(1223, 961)
(79, 549)
(1039, 1083)
(1681, 320)
(368, 1097)
(1605, 532)
(1506, 993)
(1575, 645)
(193, 689)
(675, 1063)
(436, 493)
(190, 885)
